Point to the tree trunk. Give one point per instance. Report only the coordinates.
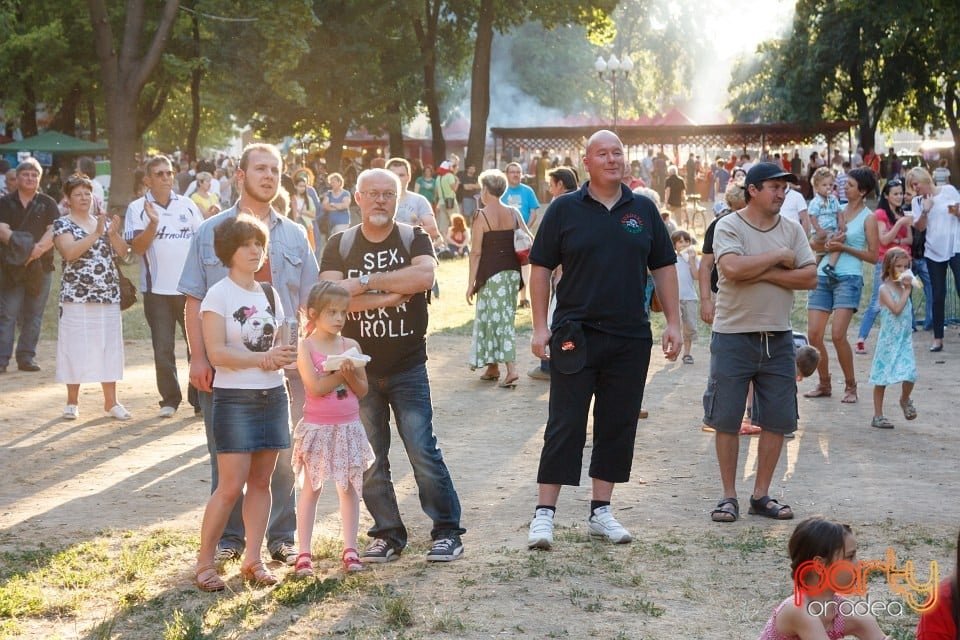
(121, 123)
(427, 39)
(951, 112)
(65, 119)
(92, 116)
(480, 88)
(28, 111)
(395, 131)
(195, 92)
(124, 69)
(334, 154)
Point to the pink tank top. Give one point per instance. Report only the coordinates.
(340, 406)
(835, 632)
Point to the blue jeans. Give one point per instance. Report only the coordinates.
(408, 394)
(17, 308)
(163, 314)
(873, 307)
(938, 284)
(283, 516)
(921, 271)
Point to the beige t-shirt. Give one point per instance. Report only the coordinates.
(760, 306)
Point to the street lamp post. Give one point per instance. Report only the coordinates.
(615, 70)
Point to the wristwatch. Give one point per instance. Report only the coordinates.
(365, 281)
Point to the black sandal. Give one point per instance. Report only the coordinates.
(770, 508)
(728, 510)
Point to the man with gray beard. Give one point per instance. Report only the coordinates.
(388, 267)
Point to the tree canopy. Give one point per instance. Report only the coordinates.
(844, 59)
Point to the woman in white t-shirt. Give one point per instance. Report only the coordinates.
(240, 319)
(932, 212)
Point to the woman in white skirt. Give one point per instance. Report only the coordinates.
(90, 334)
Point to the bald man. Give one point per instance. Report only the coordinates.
(607, 238)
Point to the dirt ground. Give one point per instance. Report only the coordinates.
(683, 577)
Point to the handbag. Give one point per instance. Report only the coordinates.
(655, 305)
(128, 291)
(522, 241)
(449, 203)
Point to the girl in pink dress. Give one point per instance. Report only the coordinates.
(330, 442)
(822, 613)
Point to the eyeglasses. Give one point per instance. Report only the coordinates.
(77, 178)
(894, 183)
(161, 174)
(377, 195)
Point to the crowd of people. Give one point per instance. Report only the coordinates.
(305, 336)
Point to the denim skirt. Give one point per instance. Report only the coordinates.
(247, 420)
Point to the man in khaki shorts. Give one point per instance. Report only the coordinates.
(762, 259)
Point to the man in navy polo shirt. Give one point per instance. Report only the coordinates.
(606, 237)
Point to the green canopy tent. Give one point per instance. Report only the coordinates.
(55, 142)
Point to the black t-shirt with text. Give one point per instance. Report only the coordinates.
(393, 337)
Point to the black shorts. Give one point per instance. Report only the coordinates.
(588, 365)
(768, 359)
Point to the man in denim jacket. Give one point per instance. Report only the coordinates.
(292, 269)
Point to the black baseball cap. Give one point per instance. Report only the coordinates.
(763, 171)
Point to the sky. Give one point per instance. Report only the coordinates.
(736, 28)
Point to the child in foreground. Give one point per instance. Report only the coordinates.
(893, 360)
(330, 442)
(819, 613)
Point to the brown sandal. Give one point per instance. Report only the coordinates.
(849, 393)
(258, 574)
(206, 578)
(822, 390)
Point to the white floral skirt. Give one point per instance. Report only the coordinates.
(340, 452)
(494, 333)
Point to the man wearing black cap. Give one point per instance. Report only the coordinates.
(762, 259)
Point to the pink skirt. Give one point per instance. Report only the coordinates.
(340, 452)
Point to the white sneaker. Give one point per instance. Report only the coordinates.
(602, 524)
(541, 530)
(71, 412)
(167, 411)
(119, 412)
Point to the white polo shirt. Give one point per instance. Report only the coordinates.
(162, 262)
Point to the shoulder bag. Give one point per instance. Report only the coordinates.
(522, 240)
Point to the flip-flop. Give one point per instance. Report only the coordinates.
(770, 508)
(509, 383)
(490, 376)
(728, 510)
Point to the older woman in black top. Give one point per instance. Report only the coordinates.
(494, 280)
